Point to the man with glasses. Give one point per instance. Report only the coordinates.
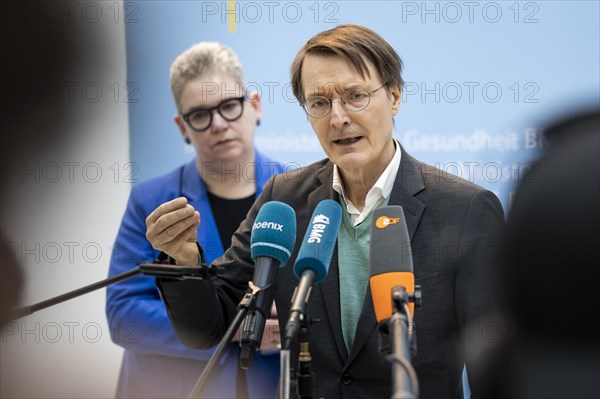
(348, 81)
(218, 119)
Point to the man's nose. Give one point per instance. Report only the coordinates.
(339, 115)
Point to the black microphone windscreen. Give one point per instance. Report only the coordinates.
(390, 258)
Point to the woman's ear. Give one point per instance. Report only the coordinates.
(181, 125)
(254, 100)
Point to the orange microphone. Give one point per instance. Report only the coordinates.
(390, 259)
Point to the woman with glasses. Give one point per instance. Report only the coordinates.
(218, 119)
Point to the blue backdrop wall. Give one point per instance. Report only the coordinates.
(481, 77)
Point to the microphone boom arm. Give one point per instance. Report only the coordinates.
(200, 272)
(247, 304)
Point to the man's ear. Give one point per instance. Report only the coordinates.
(396, 96)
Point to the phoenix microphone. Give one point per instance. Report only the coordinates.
(271, 244)
(313, 260)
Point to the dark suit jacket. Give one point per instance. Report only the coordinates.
(452, 224)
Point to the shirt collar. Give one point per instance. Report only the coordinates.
(376, 195)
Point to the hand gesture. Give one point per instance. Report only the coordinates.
(172, 228)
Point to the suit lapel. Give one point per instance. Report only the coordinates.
(366, 326)
(408, 183)
(330, 287)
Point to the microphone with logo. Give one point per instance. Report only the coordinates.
(393, 288)
(313, 260)
(271, 243)
(312, 264)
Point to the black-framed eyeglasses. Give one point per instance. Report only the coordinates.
(352, 100)
(230, 109)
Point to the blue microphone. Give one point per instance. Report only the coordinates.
(273, 232)
(271, 244)
(313, 260)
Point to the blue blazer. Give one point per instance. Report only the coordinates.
(155, 363)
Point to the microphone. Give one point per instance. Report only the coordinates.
(390, 259)
(313, 260)
(393, 289)
(271, 244)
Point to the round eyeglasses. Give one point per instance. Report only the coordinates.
(230, 109)
(352, 100)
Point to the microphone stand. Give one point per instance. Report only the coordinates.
(304, 375)
(402, 345)
(284, 374)
(303, 378)
(200, 272)
(247, 304)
